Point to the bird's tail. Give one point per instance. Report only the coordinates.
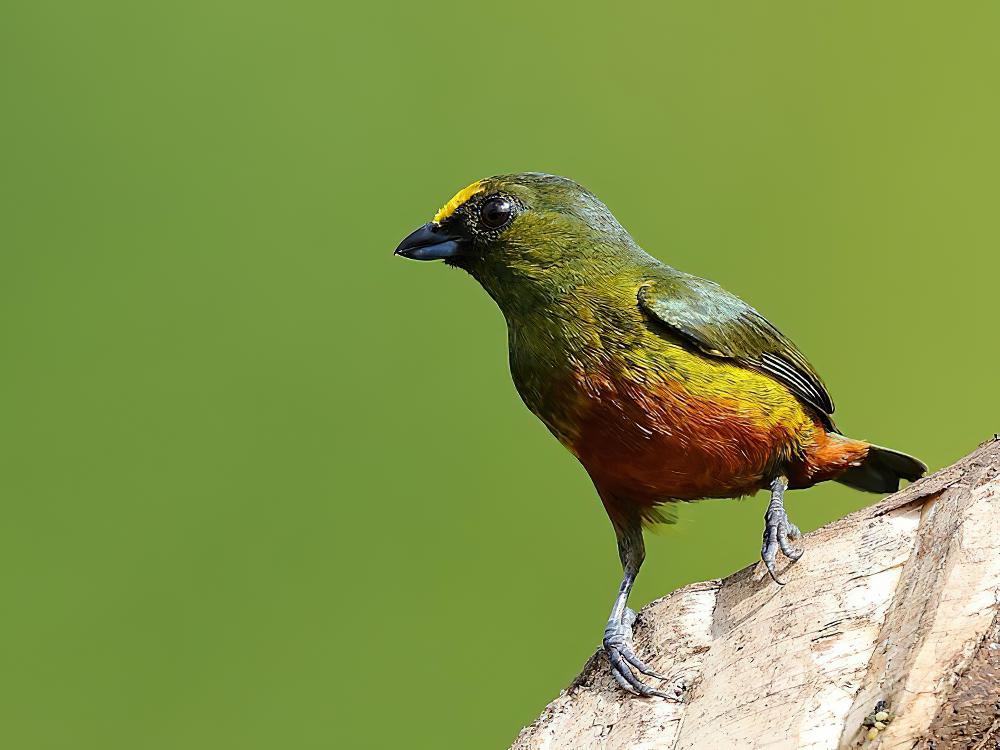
(881, 471)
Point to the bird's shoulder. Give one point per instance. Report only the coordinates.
(717, 323)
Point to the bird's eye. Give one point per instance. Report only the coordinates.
(495, 212)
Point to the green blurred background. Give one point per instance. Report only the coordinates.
(266, 486)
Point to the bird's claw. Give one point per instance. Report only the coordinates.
(622, 658)
(779, 533)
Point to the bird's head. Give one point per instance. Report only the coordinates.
(524, 234)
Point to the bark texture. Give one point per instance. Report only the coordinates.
(893, 608)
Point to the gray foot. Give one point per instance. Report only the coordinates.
(621, 655)
(779, 533)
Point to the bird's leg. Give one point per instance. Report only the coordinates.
(618, 634)
(779, 532)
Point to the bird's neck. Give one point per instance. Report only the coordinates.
(525, 292)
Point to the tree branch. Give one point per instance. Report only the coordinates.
(894, 608)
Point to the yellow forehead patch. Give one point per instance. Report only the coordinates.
(460, 197)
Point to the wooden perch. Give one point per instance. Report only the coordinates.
(892, 609)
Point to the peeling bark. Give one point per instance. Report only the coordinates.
(895, 606)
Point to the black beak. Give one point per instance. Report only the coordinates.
(430, 242)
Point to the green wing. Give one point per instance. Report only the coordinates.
(720, 324)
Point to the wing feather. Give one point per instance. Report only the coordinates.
(720, 324)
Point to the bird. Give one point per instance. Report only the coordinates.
(665, 387)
